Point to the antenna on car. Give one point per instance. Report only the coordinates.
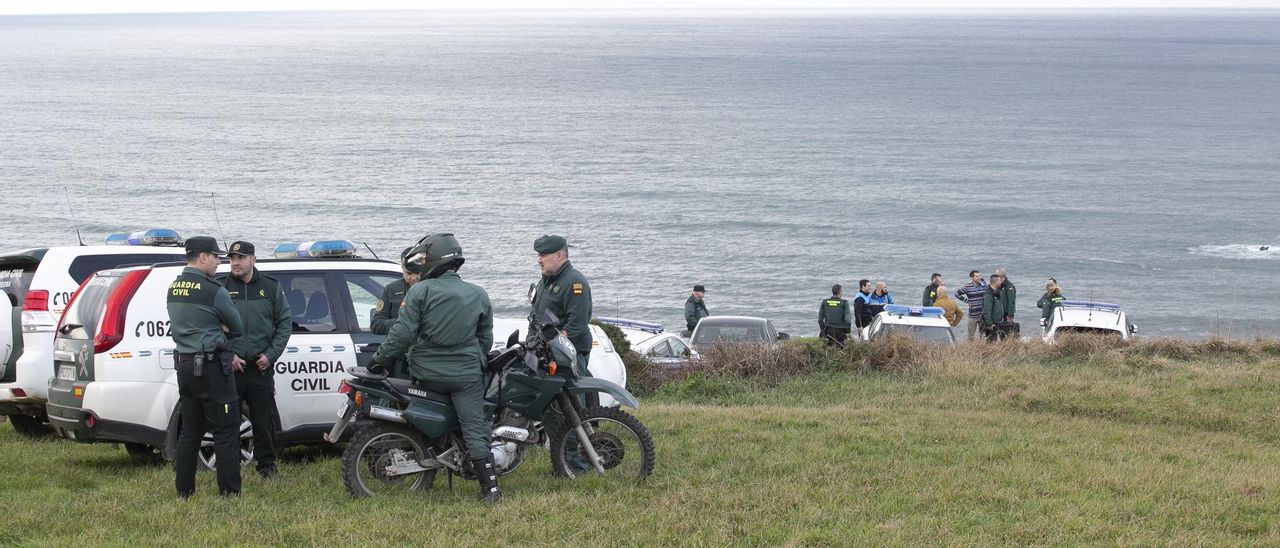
(214, 200)
(74, 224)
(366, 246)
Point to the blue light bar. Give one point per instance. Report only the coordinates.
(318, 249)
(902, 310)
(150, 236)
(1096, 306)
(632, 324)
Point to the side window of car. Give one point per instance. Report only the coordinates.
(678, 348)
(85, 265)
(365, 289)
(661, 350)
(309, 301)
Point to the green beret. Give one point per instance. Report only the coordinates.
(549, 244)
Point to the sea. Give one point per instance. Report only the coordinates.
(1133, 156)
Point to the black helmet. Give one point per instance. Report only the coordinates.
(434, 254)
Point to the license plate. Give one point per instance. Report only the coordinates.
(66, 372)
(342, 410)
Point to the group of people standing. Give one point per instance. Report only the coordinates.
(229, 332)
(991, 306)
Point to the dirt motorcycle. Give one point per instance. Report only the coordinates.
(405, 434)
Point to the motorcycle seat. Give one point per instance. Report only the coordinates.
(405, 385)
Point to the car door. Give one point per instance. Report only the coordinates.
(364, 289)
(319, 352)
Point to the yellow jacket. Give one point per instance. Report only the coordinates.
(951, 311)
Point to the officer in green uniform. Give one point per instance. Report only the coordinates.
(199, 311)
(388, 309)
(564, 291)
(446, 326)
(835, 318)
(267, 325)
(695, 308)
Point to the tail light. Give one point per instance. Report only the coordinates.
(111, 330)
(359, 399)
(37, 300)
(344, 388)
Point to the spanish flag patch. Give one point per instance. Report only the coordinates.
(577, 289)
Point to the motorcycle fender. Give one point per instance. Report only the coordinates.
(589, 385)
(431, 418)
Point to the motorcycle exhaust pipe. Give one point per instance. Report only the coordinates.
(510, 433)
(386, 414)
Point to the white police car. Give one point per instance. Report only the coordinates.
(115, 377)
(925, 323)
(1089, 317)
(35, 285)
(652, 341)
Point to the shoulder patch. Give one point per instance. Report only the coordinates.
(577, 289)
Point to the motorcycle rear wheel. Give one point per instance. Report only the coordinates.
(372, 449)
(620, 439)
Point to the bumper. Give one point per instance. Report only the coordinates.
(78, 424)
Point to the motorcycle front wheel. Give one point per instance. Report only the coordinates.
(373, 451)
(620, 440)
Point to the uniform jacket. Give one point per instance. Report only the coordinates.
(1009, 293)
(265, 312)
(567, 295)
(694, 310)
(198, 308)
(951, 310)
(861, 314)
(445, 326)
(993, 306)
(388, 307)
(1049, 302)
(834, 312)
(930, 295)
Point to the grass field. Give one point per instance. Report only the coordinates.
(1170, 446)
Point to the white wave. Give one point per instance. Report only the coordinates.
(1238, 251)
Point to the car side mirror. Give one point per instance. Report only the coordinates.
(514, 339)
(783, 336)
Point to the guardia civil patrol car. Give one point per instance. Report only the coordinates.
(925, 323)
(35, 286)
(115, 379)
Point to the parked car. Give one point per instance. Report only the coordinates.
(655, 343)
(925, 323)
(1089, 317)
(115, 378)
(714, 330)
(36, 285)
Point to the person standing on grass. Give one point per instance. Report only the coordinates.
(950, 310)
(994, 313)
(861, 315)
(931, 290)
(1051, 299)
(1008, 293)
(834, 317)
(971, 293)
(695, 308)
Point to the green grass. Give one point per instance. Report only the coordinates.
(1125, 450)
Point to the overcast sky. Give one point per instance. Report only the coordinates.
(152, 6)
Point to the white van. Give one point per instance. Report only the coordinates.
(35, 285)
(115, 377)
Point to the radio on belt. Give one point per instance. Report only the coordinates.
(151, 236)
(316, 249)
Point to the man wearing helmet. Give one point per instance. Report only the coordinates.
(388, 308)
(446, 326)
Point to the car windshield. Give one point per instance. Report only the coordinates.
(709, 334)
(934, 333)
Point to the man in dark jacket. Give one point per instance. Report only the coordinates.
(1008, 292)
(695, 309)
(265, 312)
(995, 314)
(449, 325)
(931, 290)
(861, 314)
(834, 317)
(388, 309)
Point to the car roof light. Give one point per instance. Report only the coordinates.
(904, 310)
(1091, 305)
(150, 236)
(316, 249)
(632, 324)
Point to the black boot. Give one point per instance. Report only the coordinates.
(488, 479)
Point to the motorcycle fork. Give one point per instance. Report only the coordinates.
(572, 408)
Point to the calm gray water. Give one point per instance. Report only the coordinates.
(1134, 157)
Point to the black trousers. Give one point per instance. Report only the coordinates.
(257, 390)
(835, 335)
(207, 403)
